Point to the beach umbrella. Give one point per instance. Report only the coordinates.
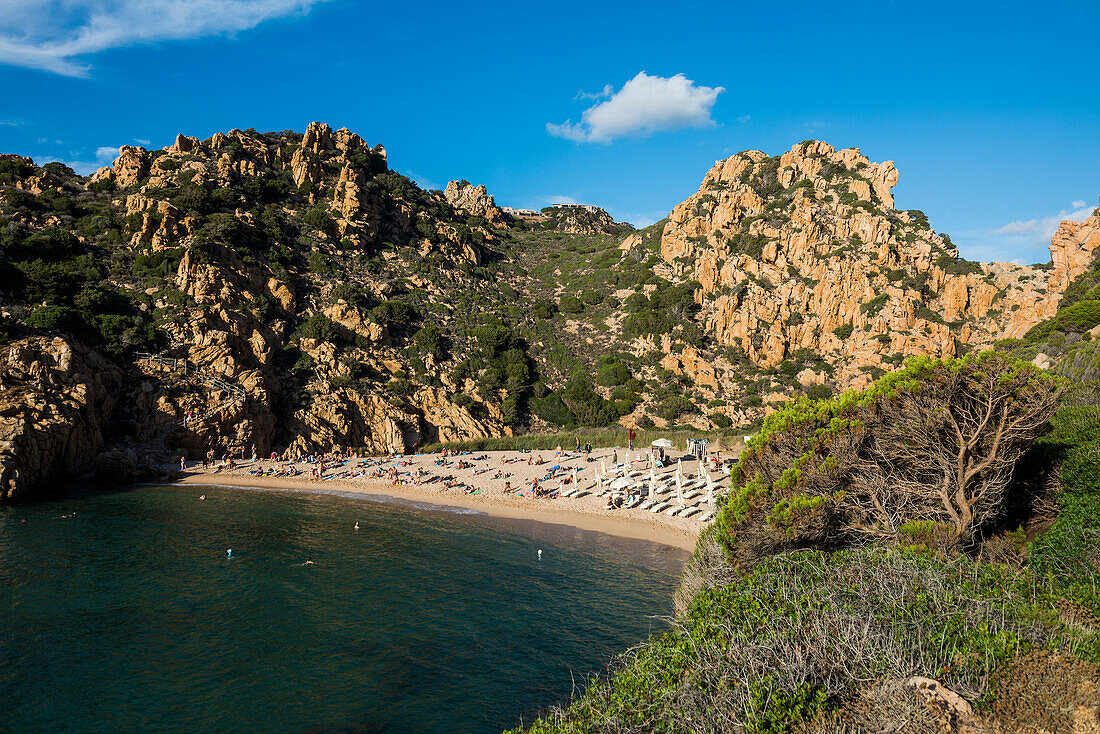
(603, 468)
(574, 477)
(679, 489)
(679, 467)
(652, 484)
(710, 486)
(663, 443)
(621, 483)
(599, 482)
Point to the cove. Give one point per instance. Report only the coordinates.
(124, 612)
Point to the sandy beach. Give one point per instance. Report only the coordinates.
(499, 483)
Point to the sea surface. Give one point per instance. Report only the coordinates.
(121, 611)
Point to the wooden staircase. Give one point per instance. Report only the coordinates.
(235, 396)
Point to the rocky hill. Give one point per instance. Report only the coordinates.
(803, 256)
(290, 290)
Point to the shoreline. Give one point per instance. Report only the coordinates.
(586, 513)
(620, 526)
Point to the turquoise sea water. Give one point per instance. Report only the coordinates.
(120, 611)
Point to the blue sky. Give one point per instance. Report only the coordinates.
(989, 110)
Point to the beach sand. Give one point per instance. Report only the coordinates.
(587, 513)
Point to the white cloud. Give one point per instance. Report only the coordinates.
(142, 141)
(607, 91)
(644, 105)
(548, 199)
(54, 35)
(640, 219)
(106, 153)
(423, 181)
(744, 118)
(1039, 230)
(84, 168)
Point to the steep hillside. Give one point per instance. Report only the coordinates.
(804, 255)
(290, 290)
(295, 267)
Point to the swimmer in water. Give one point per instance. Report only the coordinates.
(356, 524)
(202, 496)
(309, 561)
(229, 552)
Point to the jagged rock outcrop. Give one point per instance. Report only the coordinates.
(804, 253)
(583, 219)
(1073, 248)
(474, 200)
(227, 248)
(55, 398)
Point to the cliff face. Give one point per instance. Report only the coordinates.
(805, 253)
(54, 400)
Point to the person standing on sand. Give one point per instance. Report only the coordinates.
(577, 447)
(183, 462)
(630, 438)
(587, 449)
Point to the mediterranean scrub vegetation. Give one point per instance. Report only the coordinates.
(938, 524)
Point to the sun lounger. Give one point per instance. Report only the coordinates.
(649, 503)
(689, 512)
(706, 516)
(675, 510)
(659, 506)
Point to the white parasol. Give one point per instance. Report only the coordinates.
(652, 484)
(663, 443)
(679, 489)
(621, 483)
(710, 486)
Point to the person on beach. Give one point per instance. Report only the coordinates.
(183, 462)
(577, 446)
(587, 449)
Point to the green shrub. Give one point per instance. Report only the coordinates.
(570, 304)
(721, 420)
(895, 434)
(612, 374)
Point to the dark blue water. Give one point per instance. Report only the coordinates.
(129, 616)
